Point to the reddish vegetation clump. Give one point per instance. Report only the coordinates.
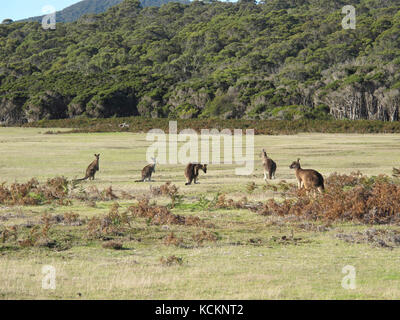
(171, 239)
(347, 197)
(204, 236)
(171, 260)
(160, 215)
(34, 193)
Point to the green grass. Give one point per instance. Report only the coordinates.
(249, 261)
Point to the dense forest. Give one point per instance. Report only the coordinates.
(278, 59)
(75, 11)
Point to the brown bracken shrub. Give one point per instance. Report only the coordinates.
(39, 235)
(169, 190)
(251, 186)
(282, 186)
(171, 239)
(160, 215)
(223, 203)
(33, 193)
(92, 193)
(114, 223)
(56, 189)
(108, 194)
(7, 233)
(72, 219)
(113, 245)
(171, 260)
(347, 197)
(203, 236)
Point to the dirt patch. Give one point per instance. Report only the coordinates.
(288, 240)
(377, 238)
(310, 226)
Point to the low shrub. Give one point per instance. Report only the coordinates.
(171, 260)
(171, 239)
(34, 193)
(351, 197)
(203, 236)
(112, 245)
(114, 223)
(160, 215)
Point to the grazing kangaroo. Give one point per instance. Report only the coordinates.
(396, 173)
(269, 166)
(91, 169)
(192, 172)
(308, 178)
(147, 171)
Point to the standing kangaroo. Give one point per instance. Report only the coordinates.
(269, 166)
(91, 169)
(308, 178)
(192, 172)
(147, 171)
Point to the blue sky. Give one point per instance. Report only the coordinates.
(20, 9)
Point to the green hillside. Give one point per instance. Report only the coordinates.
(283, 59)
(75, 11)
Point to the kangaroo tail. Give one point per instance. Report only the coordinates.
(85, 178)
(139, 180)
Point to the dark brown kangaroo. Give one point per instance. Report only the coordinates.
(192, 172)
(91, 169)
(269, 166)
(308, 178)
(147, 171)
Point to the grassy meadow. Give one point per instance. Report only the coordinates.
(250, 256)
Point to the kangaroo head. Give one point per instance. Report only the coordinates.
(203, 167)
(97, 156)
(295, 164)
(264, 153)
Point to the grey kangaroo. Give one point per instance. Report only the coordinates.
(192, 172)
(91, 169)
(308, 178)
(148, 170)
(269, 166)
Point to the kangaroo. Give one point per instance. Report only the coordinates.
(147, 171)
(91, 169)
(308, 178)
(192, 172)
(269, 166)
(396, 172)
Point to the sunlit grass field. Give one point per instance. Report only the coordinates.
(248, 261)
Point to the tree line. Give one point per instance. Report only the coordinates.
(277, 59)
